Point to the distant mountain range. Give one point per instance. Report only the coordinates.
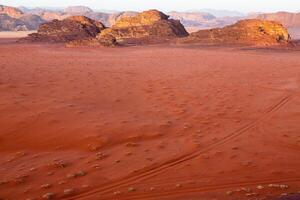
(289, 20)
(222, 13)
(23, 18)
(13, 19)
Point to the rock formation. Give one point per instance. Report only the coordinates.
(72, 28)
(8, 23)
(247, 32)
(149, 24)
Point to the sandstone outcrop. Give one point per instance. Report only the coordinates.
(69, 29)
(247, 32)
(145, 25)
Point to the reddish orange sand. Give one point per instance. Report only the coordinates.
(156, 122)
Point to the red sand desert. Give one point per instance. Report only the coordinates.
(150, 122)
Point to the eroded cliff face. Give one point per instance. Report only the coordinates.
(250, 32)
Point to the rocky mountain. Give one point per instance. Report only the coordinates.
(107, 18)
(223, 13)
(13, 19)
(193, 21)
(11, 11)
(52, 15)
(8, 23)
(71, 28)
(78, 10)
(247, 32)
(289, 20)
(189, 19)
(22, 18)
(148, 25)
(32, 22)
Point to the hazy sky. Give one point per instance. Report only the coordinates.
(167, 5)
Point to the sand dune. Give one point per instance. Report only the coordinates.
(154, 122)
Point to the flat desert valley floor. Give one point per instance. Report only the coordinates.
(152, 122)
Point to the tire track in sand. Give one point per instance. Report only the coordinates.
(155, 169)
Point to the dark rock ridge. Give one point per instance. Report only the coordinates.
(72, 28)
(246, 32)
